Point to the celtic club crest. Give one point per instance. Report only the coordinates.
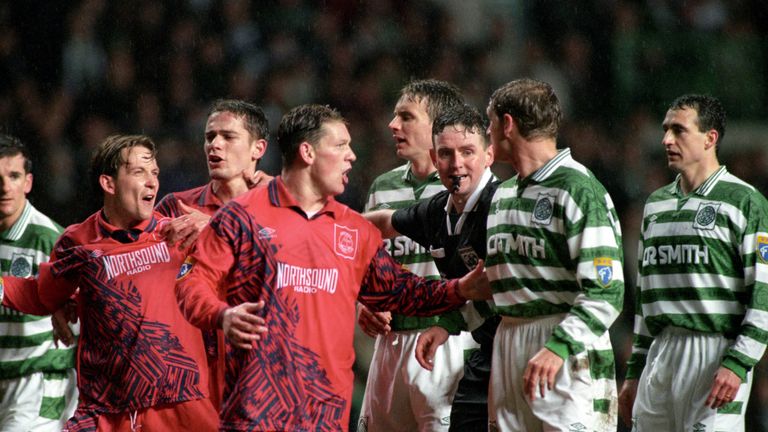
(543, 209)
(706, 216)
(21, 265)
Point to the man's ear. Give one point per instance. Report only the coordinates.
(307, 152)
(27, 183)
(107, 184)
(712, 137)
(509, 126)
(258, 148)
(489, 156)
(433, 156)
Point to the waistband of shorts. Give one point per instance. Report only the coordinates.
(542, 319)
(682, 331)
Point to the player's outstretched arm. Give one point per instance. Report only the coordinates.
(383, 221)
(475, 285)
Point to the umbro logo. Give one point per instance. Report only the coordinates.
(267, 233)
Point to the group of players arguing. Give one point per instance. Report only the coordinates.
(270, 273)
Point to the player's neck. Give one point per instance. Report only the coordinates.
(301, 188)
(421, 168)
(692, 177)
(7, 222)
(117, 217)
(532, 155)
(225, 191)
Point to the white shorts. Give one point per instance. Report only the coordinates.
(29, 403)
(584, 396)
(676, 381)
(400, 395)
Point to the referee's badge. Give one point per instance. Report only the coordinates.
(543, 209)
(469, 256)
(186, 267)
(762, 248)
(604, 270)
(706, 216)
(21, 265)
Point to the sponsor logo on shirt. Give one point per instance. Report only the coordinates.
(604, 270)
(762, 248)
(345, 241)
(524, 245)
(542, 210)
(137, 261)
(676, 254)
(186, 267)
(307, 280)
(706, 216)
(21, 265)
(403, 246)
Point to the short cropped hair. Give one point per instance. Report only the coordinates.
(437, 95)
(108, 157)
(303, 123)
(533, 104)
(461, 115)
(254, 119)
(11, 146)
(710, 112)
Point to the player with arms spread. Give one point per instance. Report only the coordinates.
(309, 259)
(138, 359)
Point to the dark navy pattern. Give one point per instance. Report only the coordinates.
(126, 361)
(278, 385)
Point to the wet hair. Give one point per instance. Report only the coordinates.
(108, 157)
(254, 119)
(711, 113)
(303, 123)
(437, 95)
(532, 104)
(461, 115)
(11, 146)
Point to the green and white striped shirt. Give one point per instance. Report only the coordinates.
(554, 246)
(703, 267)
(26, 341)
(397, 189)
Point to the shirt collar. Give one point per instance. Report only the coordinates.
(209, 199)
(552, 165)
(18, 228)
(705, 188)
(475, 196)
(129, 235)
(279, 196)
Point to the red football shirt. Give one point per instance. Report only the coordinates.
(136, 350)
(310, 271)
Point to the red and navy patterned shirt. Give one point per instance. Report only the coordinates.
(310, 271)
(136, 350)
